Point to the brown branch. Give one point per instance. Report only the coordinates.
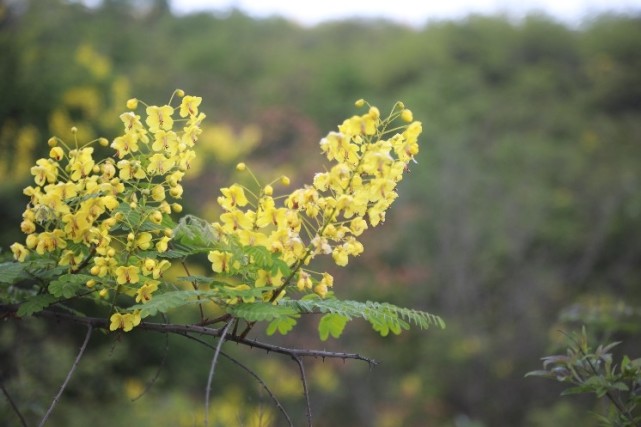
(13, 405)
(180, 329)
(151, 383)
(303, 379)
(212, 368)
(69, 374)
(252, 373)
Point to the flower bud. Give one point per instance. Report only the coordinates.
(180, 92)
(241, 167)
(52, 142)
(156, 217)
(284, 180)
(132, 103)
(56, 153)
(359, 103)
(407, 115)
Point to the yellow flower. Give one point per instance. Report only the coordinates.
(134, 127)
(304, 281)
(221, 261)
(232, 197)
(81, 163)
(71, 259)
(76, 225)
(56, 153)
(160, 268)
(145, 291)
(103, 266)
(46, 170)
(159, 164)
(50, 241)
(27, 226)
(266, 279)
(163, 244)
(148, 266)
(159, 118)
(130, 169)
(127, 274)
(19, 252)
(321, 290)
(143, 241)
(132, 103)
(158, 193)
(166, 142)
(357, 226)
(189, 106)
(125, 144)
(340, 256)
(126, 321)
(235, 220)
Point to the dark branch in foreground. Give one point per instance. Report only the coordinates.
(13, 405)
(303, 379)
(253, 374)
(179, 329)
(214, 361)
(69, 374)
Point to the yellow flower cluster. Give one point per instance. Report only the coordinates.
(106, 215)
(370, 155)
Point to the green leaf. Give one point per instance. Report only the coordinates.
(383, 317)
(194, 232)
(331, 324)
(260, 311)
(12, 272)
(576, 390)
(163, 302)
(35, 304)
(68, 285)
(281, 324)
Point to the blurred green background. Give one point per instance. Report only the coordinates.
(522, 218)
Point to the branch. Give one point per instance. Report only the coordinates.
(211, 370)
(71, 371)
(151, 383)
(305, 389)
(179, 329)
(13, 405)
(253, 374)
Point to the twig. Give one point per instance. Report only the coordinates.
(69, 374)
(180, 329)
(305, 389)
(151, 383)
(252, 373)
(13, 405)
(213, 367)
(195, 286)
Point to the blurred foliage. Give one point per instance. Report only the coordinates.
(522, 217)
(596, 372)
